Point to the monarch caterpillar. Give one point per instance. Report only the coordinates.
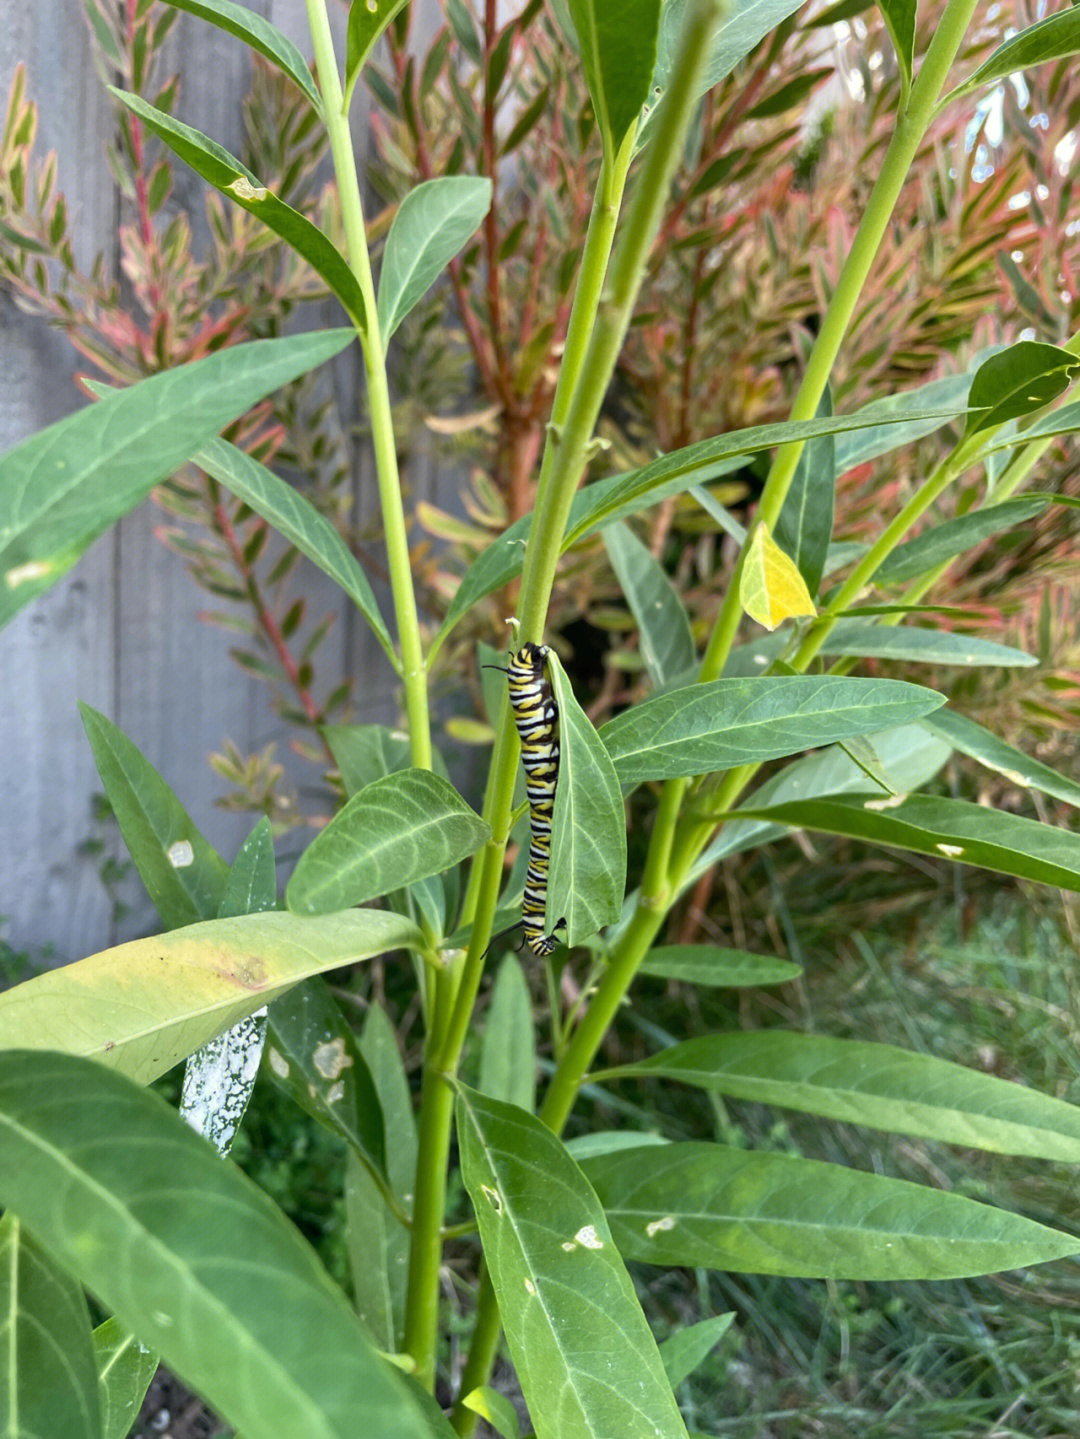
(536, 714)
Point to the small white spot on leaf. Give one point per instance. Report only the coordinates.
(279, 1064)
(160, 1317)
(180, 854)
(330, 1058)
(493, 1197)
(951, 851)
(530, 1287)
(336, 1093)
(889, 802)
(23, 574)
(244, 190)
(588, 1238)
(660, 1226)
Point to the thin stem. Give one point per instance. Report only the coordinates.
(413, 668)
(911, 126)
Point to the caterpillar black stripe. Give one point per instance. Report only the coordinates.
(536, 714)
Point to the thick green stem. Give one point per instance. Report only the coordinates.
(413, 669)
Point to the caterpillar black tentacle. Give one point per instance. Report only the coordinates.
(536, 714)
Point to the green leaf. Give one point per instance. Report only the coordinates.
(189, 1254)
(395, 831)
(742, 28)
(587, 878)
(508, 1048)
(899, 17)
(1052, 38)
(67, 484)
(587, 1363)
(314, 1057)
(910, 751)
(496, 1409)
(872, 1084)
(183, 874)
(251, 887)
(378, 1244)
(367, 752)
(667, 646)
(229, 175)
(619, 495)
(774, 1214)
(432, 223)
(871, 441)
(947, 538)
(146, 1005)
(125, 1369)
(688, 1348)
(48, 1377)
(618, 53)
(919, 645)
(804, 526)
(259, 34)
(1016, 381)
(1017, 767)
(297, 519)
(723, 723)
(367, 21)
(973, 833)
(717, 968)
(771, 589)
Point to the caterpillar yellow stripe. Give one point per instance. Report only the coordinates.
(536, 714)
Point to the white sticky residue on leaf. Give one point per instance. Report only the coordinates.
(219, 1078)
(278, 1063)
(330, 1058)
(951, 851)
(530, 1287)
(889, 802)
(180, 854)
(336, 1093)
(23, 574)
(660, 1226)
(569, 1245)
(493, 1197)
(588, 1238)
(244, 190)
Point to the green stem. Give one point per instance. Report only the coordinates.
(911, 126)
(413, 668)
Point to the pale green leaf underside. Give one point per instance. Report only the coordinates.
(873, 1084)
(588, 1365)
(774, 1214)
(145, 1005)
(237, 1303)
(396, 831)
(717, 968)
(48, 1377)
(125, 1368)
(433, 222)
(1018, 768)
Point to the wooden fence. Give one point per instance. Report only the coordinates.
(120, 631)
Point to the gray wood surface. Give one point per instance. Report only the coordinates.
(121, 631)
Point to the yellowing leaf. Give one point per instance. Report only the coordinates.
(771, 588)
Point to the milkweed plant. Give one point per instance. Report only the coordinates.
(107, 1189)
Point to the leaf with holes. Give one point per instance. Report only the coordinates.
(753, 1213)
(588, 1365)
